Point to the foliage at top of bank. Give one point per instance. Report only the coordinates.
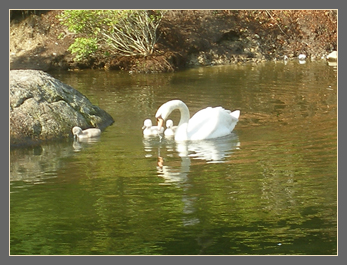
(122, 32)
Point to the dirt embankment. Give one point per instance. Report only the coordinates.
(188, 38)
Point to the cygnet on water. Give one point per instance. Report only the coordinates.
(148, 129)
(85, 134)
(170, 129)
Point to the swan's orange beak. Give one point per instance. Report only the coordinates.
(160, 121)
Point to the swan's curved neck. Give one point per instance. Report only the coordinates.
(165, 110)
(181, 132)
(185, 115)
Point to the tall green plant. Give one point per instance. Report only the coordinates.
(125, 32)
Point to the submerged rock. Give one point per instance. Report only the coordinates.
(44, 108)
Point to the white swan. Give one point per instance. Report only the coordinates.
(205, 124)
(149, 129)
(85, 134)
(170, 129)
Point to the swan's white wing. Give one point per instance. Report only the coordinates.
(211, 123)
(235, 114)
(205, 124)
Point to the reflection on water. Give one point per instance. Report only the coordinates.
(79, 144)
(210, 151)
(172, 174)
(268, 188)
(37, 164)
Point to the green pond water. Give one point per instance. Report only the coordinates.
(270, 188)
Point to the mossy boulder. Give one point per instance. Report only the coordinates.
(43, 108)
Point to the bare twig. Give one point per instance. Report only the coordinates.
(275, 21)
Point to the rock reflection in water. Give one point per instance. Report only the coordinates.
(37, 164)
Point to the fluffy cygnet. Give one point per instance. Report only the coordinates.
(170, 129)
(148, 129)
(84, 134)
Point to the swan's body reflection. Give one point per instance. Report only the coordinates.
(177, 173)
(211, 151)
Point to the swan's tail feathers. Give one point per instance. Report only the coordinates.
(235, 114)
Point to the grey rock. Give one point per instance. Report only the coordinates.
(43, 108)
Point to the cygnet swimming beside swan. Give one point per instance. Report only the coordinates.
(170, 129)
(148, 129)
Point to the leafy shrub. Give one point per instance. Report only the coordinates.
(83, 47)
(124, 32)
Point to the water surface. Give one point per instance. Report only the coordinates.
(268, 188)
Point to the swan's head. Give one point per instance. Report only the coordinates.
(169, 124)
(161, 115)
(76, 130)
(147, 124)
(165, 110)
